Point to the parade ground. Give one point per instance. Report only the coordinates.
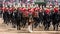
(4, 29)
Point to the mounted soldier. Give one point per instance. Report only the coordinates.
(30, 21)
(24, 15)
(46, 18)
(36, 17)
(13, 15)
(10, 11)
(5, 14)
(17, 17)
(55, 18)
(41, 13)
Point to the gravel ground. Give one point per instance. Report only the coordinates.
(4, 29)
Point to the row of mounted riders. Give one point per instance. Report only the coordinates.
(19, 17)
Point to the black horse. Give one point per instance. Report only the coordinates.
(5, 17)
(46, 21)
(18, 18)
(55, 21)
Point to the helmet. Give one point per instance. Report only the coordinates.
(23, 5)
(24, 9)
(51, 6)
(47, 6)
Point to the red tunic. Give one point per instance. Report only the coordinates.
(20, 9)
(55, 10)
(23, 9)
(11, 9)
(4, 9)
(36, 9)
(47, 11)
(26, 13)
(7, 8)
(31, 11)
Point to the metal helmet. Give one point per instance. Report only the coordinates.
(23, 5)
(50, 6)
(47, 6)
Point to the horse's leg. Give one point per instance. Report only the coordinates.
(18, 25)
(30, 27)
